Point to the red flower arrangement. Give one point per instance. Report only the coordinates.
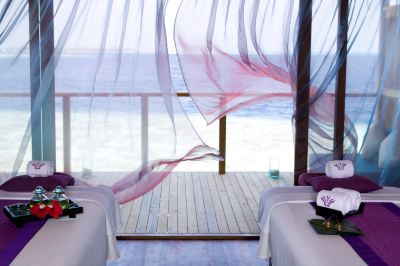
(42, 210)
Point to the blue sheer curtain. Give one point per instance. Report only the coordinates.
(377, 119)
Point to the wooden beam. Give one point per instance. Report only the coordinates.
(188, 237)
(340, 93)
(302, 89)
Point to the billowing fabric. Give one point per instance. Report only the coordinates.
(114, 64)
(234, 54)
(111, 65)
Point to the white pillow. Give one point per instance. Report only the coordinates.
(339, 169)
(376, 135)
(389, 152)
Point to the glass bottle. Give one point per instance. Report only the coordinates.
(38, 197)
(60, 197)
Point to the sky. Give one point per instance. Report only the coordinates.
(90, 22)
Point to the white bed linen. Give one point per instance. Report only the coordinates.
(105, 201)
(294, 242)
(80, 241)
(273, 197)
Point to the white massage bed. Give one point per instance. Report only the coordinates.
(287, 237)
(88, 239)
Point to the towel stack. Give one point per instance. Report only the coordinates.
(340, 199)
(40, 168)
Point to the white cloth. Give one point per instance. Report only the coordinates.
(334, 200)
(354, 195)
(100, 195)
(339, 169)
(40, 168)
(294, 242)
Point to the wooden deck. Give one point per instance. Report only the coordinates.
(199, 204)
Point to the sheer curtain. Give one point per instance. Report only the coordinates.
(228, 56)
(109, 75)
(234, 54)
(105, 91)
(377, 121)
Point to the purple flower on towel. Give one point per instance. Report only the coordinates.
(327, 200)
(37, 165)
(340, 165)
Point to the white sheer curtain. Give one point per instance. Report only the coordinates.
(110, 67)
(111, 71)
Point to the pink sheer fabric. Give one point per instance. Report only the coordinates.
(220, 73)
(150, 175)
(236, 54)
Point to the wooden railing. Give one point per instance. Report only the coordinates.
(144, 100)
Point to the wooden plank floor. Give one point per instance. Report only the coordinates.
(199, 203)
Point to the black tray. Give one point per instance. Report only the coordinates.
(328, 213)
(348, 228)
(19, 213)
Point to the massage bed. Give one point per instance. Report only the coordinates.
(288, 239)
(88, 239)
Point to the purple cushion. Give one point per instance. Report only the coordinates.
(356, 182)
(25, 183)
(305, 176)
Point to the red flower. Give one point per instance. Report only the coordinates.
(56, 209)
(40, 210)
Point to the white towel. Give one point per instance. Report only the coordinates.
(339, 169)
(354, 196)
(334, 200)
(40, 168)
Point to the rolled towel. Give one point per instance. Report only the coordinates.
(339, 169)
(40, 168)
(354, 196)
(334, 200)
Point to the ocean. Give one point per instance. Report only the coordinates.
(254, 134)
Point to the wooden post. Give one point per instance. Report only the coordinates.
(340, 93)
(145, 128)
(222, 145)
(67, 133)
(302, 89)
(47, 68)
(34, 58)
(222, 137)
(41, 47)
(380, 83)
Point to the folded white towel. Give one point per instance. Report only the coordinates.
(40, 168)
(339, 169)
(354, 196)
(334, 200)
